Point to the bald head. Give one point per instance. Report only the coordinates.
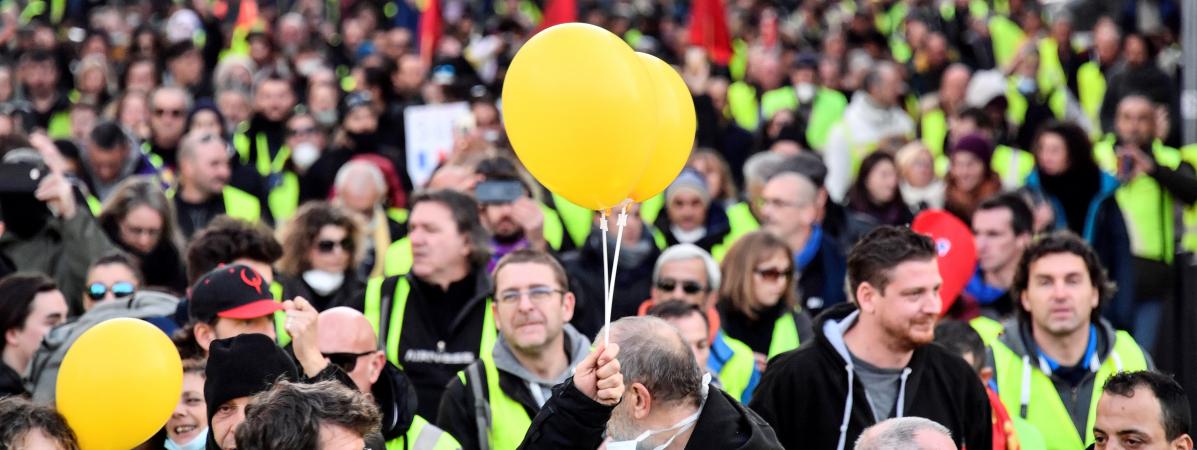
(906, 433)
(344, 330)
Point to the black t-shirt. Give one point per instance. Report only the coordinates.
(194, 217)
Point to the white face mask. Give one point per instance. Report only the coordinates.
(304, 155)
(322, 282)
(805, 92)
(196, 443)
(681, 426)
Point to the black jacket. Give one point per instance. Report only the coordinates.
(457, 416)
(821, 283)
(11, 382)
(349, 294)
(396, 399)
(632, 284)
(804, 393)
(570, 420)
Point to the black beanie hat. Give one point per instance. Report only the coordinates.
(242, 366)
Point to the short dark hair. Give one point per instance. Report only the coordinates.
(961, 339)
(107, 136)
(19, 417)
(289, 415)
(16, 304)
(122, 258)
(527, 255)
(676, 309)
(978, 116)
(1056, 243)
(465, 215)
(225, 240)
(1022, 220)
(1174, 403)
(807, 164)
(878, 252)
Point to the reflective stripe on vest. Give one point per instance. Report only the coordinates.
(933, 131)
(94, 205)
(264, 165)
(423, 436)
(1057, 102)
(785, 335)
(241, 205)
(1146, 206)
(989, 330)
(1020, 380)
(828, 109)
(280, 317)
(284, 198)
(741, 222)
(508, 420)
(1091, 88)
(373, 312)
(577, 220)
(736, 366)
(1006, 37)
(399, 215)
(1013, 165)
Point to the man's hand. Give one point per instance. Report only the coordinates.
(301, 325)
(598, 376)
(529, 216)
(1141, 163)
(56, 192)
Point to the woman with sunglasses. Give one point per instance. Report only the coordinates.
(757, 300)
(112, 277)
(141, 221)
(320, 256)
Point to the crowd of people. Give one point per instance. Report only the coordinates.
(248, 177)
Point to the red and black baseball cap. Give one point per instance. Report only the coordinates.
(232, 292)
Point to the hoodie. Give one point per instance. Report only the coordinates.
(807, 392)
(396, 400)
(572, 421)
(457, 408)
(864, 125)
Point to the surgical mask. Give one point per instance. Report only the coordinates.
(681, 426)
(322, 282)
(327, 118)
(196, 443)
(304, 155)
(1026, 85)
(805, 92)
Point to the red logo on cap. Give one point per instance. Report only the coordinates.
(254, 282)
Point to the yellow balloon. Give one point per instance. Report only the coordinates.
(580, 113)
(675, 129)
(119, 383)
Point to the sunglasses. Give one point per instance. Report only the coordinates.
(168, 112)
(327, 246)
(689, 287)
(772, 274)
(346, 361)
(120, 289)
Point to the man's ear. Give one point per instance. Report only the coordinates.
(568, 302)
(643, 400)
(866, 297)
(1184, 442)
(204, 335)
(378, 361)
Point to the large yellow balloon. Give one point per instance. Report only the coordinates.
(580, 113)
(118, 384)
(675, 129)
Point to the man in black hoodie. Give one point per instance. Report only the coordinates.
(870, 359)
(353, 347)
(666, 400)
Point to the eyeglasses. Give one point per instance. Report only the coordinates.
(120, 289)
(302, 131)
(688, 286)
(327, 246)
(539, 294)
(346, 361)
(168, 112)
(772, 274)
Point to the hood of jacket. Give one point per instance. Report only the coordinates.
(1016, 335)
(396, 399)
(725, 424)
(577, 347)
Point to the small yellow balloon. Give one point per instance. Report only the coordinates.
(581, 113)
(119, 383)
(675, 129)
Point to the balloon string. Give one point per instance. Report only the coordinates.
(623, 221)
(606, 275)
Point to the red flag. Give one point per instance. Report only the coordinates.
(558, 12)
(708, 29)
(957, 251)
(430, 30)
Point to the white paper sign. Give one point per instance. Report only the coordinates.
(429, 137)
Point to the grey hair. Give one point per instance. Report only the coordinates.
(358, 172)
(683, 252)
(653, 353)
(896, 434)
(187, 100)
(759, 167)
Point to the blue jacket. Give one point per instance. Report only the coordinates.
(1105, 231)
